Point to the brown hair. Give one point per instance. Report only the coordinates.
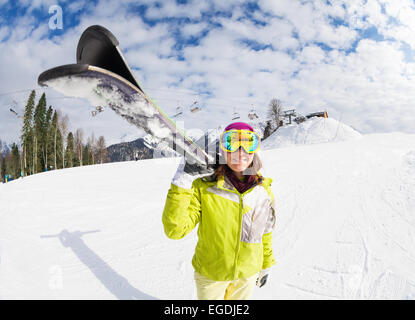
(254, 168)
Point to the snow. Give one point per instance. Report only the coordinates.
(345, 229)
(312, 131)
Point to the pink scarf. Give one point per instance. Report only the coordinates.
(241, 186)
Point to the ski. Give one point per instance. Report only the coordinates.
(103, 77)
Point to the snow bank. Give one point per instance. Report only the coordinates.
(312, 131)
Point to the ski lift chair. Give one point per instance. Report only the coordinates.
(16, 114)
(235, 115)
(252, 114)
(194, 107)
(179, 111)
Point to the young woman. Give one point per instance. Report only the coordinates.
(234, 208)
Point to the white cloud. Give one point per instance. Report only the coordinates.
(76, 6)
(312, 22)
(193, 29)
(4, 32)
(169, 9)
(364, 85)
(402, 27)
(31, 5)
(312, 54)
(369, 86)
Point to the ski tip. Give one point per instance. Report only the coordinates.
(95, 37)
(100, 31)
(59, 72)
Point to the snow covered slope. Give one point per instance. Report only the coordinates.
(346, 227)
(312, 131)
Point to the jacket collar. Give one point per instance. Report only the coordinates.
(224, 184)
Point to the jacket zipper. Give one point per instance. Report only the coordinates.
(241, 206)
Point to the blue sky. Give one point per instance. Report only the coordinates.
(353, 58)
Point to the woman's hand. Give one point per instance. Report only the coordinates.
(186, 173)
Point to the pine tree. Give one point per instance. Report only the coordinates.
(15, 161)
(268, 130)
(86, 156)
(47, 149)
(7, 162)
(27, 134)
(54, 141)
(40, 134)
(3, 167)
(69, 153)
(59, 149)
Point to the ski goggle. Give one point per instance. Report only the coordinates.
(232, 140)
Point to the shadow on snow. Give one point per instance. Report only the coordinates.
(114, 282)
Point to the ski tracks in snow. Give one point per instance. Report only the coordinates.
(361, 245)
(386, 218)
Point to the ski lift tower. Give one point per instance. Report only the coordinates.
(288, 114)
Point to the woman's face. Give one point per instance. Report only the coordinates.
(239, 160)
